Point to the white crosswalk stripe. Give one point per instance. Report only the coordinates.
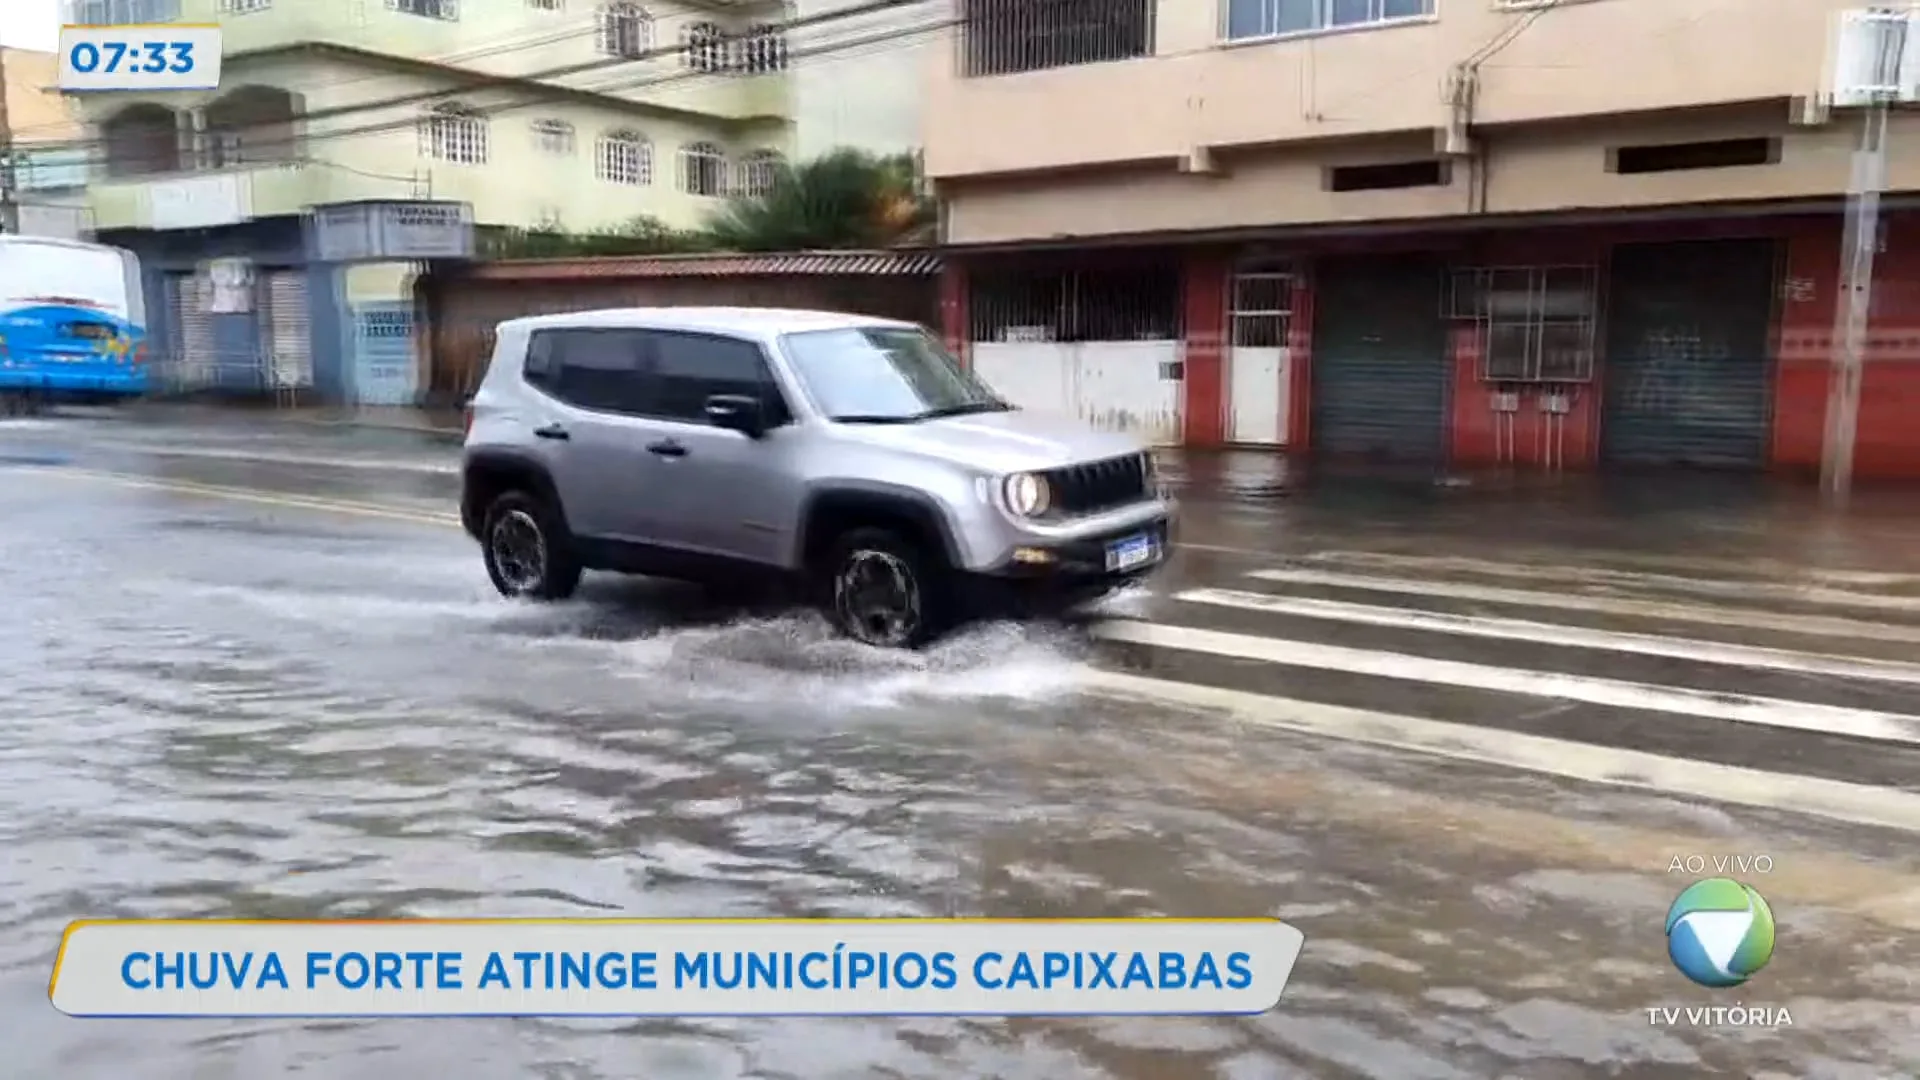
(1654, 680)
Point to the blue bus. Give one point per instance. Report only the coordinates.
(73, 322)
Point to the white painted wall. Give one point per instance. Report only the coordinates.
(858, 81)
(1111, 385)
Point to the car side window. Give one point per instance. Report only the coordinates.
(689, 368)
(593, 368)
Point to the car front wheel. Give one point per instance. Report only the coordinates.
(883, 591)
(526, 549)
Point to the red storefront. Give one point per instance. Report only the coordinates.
(1701, 342)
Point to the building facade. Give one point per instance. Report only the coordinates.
(49, 169)
(1550, 233)
(561, 114)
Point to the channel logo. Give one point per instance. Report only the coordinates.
(1719, 932)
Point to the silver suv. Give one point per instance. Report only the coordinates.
(852, 456)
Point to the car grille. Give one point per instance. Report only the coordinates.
(1098, 485)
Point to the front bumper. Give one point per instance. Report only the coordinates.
(1053, 573)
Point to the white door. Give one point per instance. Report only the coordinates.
(1257, 395)
(1257, 356)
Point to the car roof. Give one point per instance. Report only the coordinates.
(758, 323)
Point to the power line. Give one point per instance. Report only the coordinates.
(479, 81)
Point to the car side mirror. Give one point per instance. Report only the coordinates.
(737, 412)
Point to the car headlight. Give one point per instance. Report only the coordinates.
(1027, 494)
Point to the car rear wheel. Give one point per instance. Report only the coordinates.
(882, 590)
(527, 550)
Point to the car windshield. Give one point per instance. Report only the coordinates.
(886, 375)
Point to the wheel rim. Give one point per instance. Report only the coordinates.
(519, 551)
(877, 598)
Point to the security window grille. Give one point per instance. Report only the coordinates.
(448, 10)
(1262, 309)
(1080, 305)
(703, 170)
(455, 137)
(625, 31)
(1268, 18)
(625, 158)
(1002, 37)
(545, 5)
(1538, 323)
(758, 172)
(122, 12)
(553, 137)
(703, 47)
(243, 7)
(762, 50)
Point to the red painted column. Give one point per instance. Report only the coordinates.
(1300, 359)
(953, 311)
(1203, 405)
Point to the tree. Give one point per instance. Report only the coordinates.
(643, 235)
(842, 199)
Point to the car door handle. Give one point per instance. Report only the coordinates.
(552, 431)
(667, 448)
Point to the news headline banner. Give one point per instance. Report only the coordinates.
(644, 967)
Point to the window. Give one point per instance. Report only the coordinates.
(689, 368)
(1262, 307)
(758, 172)
(545, 5)
(624, 157)
(553, 137)
(885, 374)
(452, 133)
(243, 7)
(625, 31)
(1265, 18)
(763, 49)
(1000, 37)
(427, 9)
(703, 170)
(594, 369)
(122, 12)
(703, 47)
(1398, 174)
(1680, 157)
(1537, 322)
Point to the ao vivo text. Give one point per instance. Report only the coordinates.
(838, 969)
(1720, 865)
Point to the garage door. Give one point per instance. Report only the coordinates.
(1380, 369)
(1689, 379)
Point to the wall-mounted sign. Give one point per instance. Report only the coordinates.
(399, 231)
(232, 286)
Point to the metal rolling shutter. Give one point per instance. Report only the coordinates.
(190, 359)
(1379, 375)
(285, 334)
(1688, 377)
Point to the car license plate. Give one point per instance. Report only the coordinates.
(1131, 552)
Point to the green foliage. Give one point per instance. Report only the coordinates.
(843, 199)
(643, 235)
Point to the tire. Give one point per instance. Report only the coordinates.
(552, 572)
(880, 554)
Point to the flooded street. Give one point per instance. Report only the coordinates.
(269, 679)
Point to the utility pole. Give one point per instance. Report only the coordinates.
(1860, 242)
(9, 201)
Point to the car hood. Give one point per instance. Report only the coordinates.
(999, 442)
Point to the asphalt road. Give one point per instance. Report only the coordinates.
(267, 678)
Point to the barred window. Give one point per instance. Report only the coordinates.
(553, 137)
(122, 12)
(545, 5)
(456, 134)
(625, 30)
(625, 157)
(763, 49)
(757, 172)
(703, 169)
(244, 7)
(704, 47)
(1118, 304)
(448, 10)
(1001, 37)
